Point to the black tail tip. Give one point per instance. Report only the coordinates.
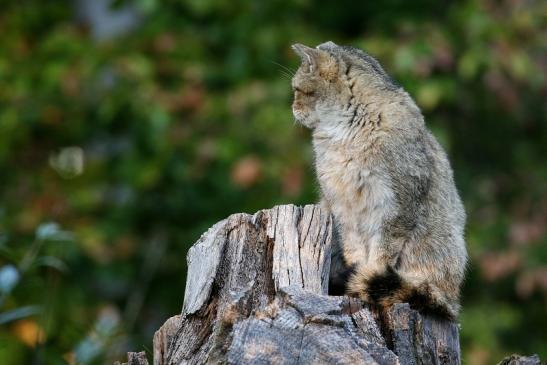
(426, 304)
(384, 284)
(338, 285)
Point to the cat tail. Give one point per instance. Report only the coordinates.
(387, 288)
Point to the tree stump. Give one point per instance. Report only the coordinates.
(257, 293)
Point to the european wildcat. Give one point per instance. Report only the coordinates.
(386, 180)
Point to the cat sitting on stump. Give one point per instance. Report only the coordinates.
(385, 179)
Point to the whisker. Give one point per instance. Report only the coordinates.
(285, 74)
(290, 71)
(293, 71)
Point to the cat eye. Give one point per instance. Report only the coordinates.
(307, 93)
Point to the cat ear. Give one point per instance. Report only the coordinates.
(327, 45)
(315, 59)
(309, 56)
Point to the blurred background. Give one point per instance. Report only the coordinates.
(127, 128)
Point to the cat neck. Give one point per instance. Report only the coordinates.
(367, 119)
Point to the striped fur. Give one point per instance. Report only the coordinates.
(386, 180)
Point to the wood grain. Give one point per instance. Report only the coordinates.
(257, 293)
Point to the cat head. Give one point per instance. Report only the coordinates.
(330, 79)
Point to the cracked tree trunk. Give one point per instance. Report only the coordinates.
(256, 293)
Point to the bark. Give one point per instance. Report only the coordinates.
(256, 293)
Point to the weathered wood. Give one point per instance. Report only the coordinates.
(256, 293)
(236, 268)
(521, 360)
(135, 358)
(305, 328)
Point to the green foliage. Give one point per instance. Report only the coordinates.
(137, 144)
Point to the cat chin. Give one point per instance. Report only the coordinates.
(306, 123)
(305, 120)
